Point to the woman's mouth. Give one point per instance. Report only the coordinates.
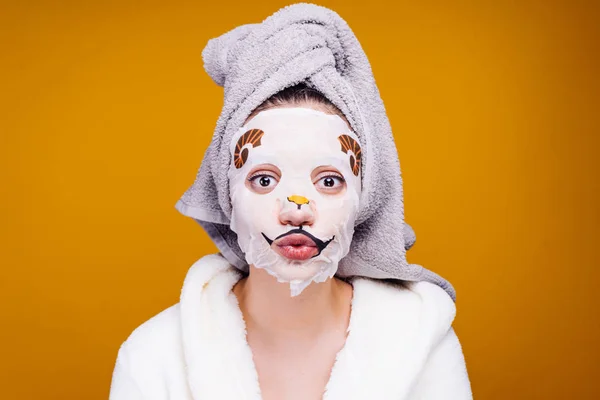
(296, 246)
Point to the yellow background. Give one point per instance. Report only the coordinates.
(106, 112)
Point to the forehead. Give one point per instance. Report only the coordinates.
(297, 131)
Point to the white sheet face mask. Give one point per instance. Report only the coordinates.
(295, 187)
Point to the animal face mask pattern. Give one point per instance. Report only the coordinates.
(295, 188)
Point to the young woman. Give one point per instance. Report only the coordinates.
(311, 296)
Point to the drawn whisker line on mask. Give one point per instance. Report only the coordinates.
(320, 244)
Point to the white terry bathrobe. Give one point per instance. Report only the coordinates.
(400, 345)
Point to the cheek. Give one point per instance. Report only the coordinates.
(332, 211)
(256, 211)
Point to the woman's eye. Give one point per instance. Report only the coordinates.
(262, 183)
(330, 183)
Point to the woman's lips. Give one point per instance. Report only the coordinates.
(296, 247)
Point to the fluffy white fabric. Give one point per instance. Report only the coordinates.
(400, 345)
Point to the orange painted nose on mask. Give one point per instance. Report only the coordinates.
(293, 213)
(299, 200)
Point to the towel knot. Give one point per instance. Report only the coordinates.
(253, 52)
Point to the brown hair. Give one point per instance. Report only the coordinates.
(299, 95)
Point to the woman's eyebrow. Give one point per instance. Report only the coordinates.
(333, 161)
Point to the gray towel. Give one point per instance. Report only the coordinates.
(305, 43)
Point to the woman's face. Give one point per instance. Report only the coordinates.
(295, 186)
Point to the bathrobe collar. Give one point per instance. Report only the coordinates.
(392, 330)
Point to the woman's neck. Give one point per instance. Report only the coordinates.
(269, 309)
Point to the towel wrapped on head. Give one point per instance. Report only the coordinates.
(305, 43)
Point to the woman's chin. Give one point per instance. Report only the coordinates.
(294, 270)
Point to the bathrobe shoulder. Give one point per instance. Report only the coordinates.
(400, 345)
